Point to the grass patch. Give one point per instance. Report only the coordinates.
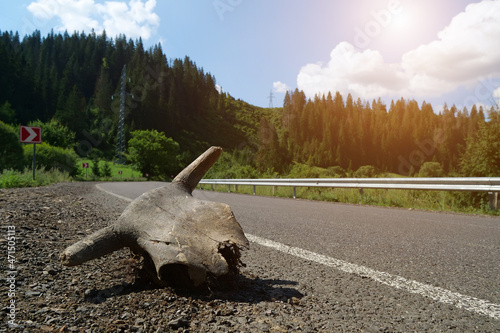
(14, 179)
(128, 173)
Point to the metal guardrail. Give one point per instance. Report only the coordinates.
(471, 184)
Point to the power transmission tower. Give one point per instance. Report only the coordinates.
(271, 96)
(120, 139)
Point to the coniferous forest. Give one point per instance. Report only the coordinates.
(75, 80)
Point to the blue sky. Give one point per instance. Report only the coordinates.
(442, 51)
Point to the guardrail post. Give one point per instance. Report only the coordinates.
(294, 192)
(493, 196)
(229, 188)
(254, 189)
(361, 191)
(212, 187)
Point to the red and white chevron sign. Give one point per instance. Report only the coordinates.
(28, 134)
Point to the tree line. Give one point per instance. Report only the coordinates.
(334, 130)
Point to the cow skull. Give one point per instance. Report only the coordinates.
(174, 232)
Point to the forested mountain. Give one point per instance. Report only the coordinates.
(75, 79)
(330, 131)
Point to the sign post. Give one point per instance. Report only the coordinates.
(34, 160)
(86, 167)
(29, 134)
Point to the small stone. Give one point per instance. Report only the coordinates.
(43, 310)
(178, 323)
(225, 311)
(262, 327)
(30, 293)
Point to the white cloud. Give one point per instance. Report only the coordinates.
(496, 96)
(465, 52)
(138, 20)
(280, 87)
(363, 73)
(496, 93)
(134, 19)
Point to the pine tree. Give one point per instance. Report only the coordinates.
(96, 171)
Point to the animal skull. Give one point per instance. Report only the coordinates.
(174, 232)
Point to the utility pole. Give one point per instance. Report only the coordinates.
(120, 139)
(271, 96)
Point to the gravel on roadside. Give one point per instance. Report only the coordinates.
(106, 294)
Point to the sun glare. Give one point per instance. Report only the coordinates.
(401, 21)
(402, 30)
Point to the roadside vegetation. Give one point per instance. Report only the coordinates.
(10, 178)
(450, 201)
(424, 200)
(56, 160)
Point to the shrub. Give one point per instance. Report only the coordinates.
(11, 150)
(106, 170)
(51, 157)
(55, 134)
(154, 154)
(337, 171)
(366, 171)
(96, 171)
(431, 169)
(300, 170)
(227, 167)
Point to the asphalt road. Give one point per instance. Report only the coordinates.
(424, 260)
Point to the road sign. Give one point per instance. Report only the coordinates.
(28, 134)
(119, 172)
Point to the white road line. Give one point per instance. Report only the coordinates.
(465, 302)
(116, 195)
(472, 304)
